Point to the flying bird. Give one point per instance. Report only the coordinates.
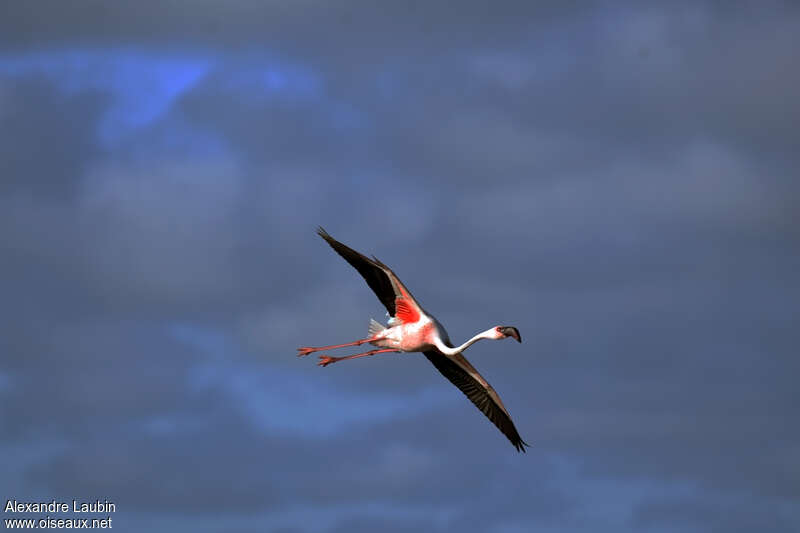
(412, 329)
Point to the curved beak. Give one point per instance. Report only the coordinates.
(511, 331)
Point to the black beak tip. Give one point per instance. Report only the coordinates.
(512, 332)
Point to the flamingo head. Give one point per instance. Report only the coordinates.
(502, 332)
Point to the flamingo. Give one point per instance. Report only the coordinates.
(412, 329)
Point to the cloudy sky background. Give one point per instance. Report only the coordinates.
(619, 181)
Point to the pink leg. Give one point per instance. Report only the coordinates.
(325, 360)
(305, 350)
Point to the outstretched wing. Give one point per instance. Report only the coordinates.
(464, 376)
(380, 278)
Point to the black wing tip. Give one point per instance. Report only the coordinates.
(327, 236)
(520, 445)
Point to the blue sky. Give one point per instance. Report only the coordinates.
(615, 180)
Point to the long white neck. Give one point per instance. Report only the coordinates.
(488, 334)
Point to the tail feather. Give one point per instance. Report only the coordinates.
(375, 327)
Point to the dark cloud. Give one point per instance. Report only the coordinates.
(733, 514)
(354, 28)
(616, 181)
(46, 139)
